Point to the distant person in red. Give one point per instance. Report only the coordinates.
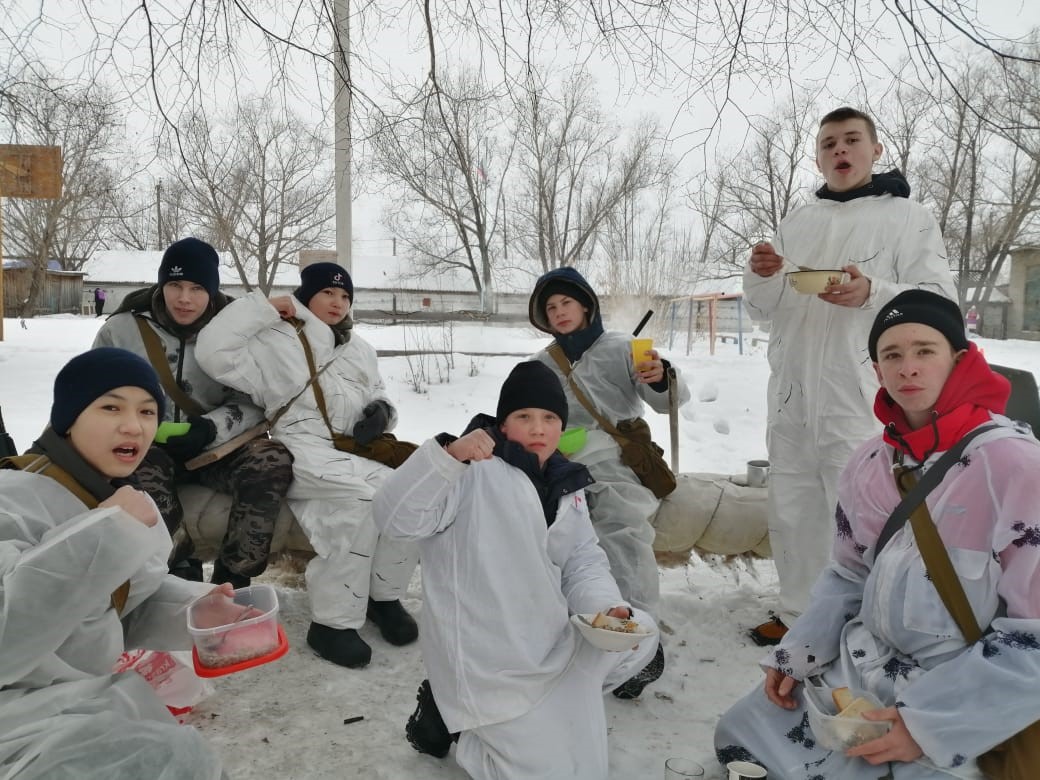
(99, 301)
(972, 320)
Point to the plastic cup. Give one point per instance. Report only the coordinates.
(744, 770)
(639, 349)
(682, 769)
(168, 429)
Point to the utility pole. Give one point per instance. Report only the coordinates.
(158, 214)
(341, 109)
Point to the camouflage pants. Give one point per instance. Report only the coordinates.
(256, 476)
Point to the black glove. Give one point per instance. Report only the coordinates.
(186, 446)
(376, 418)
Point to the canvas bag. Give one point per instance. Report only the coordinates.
(1017, 758)
(638, 450)
(385, 448)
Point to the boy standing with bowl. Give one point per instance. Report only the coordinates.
(821, 383)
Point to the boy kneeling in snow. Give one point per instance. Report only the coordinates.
(508, 553)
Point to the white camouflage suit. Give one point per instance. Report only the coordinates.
(507, 668)
(879, 625)
(249, 347)
(622, 508)
(63, 714)
(821, 381)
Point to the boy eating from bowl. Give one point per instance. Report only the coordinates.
(508, 554)
(821, 382)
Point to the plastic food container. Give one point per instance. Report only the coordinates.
(228, 639)
(834, 733)
(816, 282)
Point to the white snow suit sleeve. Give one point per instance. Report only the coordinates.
(62, 711)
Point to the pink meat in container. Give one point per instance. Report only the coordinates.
(232, 635)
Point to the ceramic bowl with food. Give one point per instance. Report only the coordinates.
(816, 282)
(609, 633)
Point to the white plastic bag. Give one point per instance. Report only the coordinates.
(171, 675)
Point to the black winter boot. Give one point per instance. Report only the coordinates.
(342, 646)
(222, 574)
(394, 622)
(188, 569)
(425, 729)
(633, 686)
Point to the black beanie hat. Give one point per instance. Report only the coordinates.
(191, 260)
(925, 308)
(317, 276)
(89, 376)
(531, 385)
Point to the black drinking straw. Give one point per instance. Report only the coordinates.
(642, 322)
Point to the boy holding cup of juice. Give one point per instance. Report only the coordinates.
(619, 376)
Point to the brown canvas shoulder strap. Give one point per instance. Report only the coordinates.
(157, 357)
(319, 395)
(42, 465)
(938, 564)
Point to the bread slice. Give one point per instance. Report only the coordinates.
(856, 708)
(842, 698)
(612, 623)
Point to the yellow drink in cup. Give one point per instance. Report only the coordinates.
(639, 349)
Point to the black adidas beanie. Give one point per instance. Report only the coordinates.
(191, 260)
(531, 385)
(89, 376)
(317, 276)
(924, 307)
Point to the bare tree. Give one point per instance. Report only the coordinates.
(258, 186)
(709, 48)
(575, 171)
(982, 181)
(444, 154)
(648, 251)
(84, 122)
(743, 199)
(148, 214)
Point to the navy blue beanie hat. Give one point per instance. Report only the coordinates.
(925, 308)
(191, 260)
(531, 385)
(317, 276)
(89, 376)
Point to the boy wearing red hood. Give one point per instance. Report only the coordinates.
(878, 624)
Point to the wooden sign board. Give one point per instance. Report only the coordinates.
(30, 171)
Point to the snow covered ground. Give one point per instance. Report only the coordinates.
(286, 719)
